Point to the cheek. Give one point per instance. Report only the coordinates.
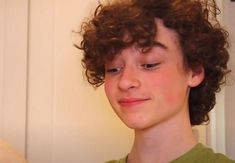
(108, 88)
(170, 87)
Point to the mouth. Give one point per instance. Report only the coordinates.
(128, 102)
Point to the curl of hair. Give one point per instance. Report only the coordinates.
(120, 24)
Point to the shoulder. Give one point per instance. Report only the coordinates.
(203, 154)
(211, 156)
(220, 158)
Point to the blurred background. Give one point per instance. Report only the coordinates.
(48, 111)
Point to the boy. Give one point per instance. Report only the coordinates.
(161, 62)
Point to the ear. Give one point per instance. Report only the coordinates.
(196, 76)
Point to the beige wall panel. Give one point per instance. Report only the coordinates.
(2, 38)
(230, 89)
(40, 82)
(13, 71)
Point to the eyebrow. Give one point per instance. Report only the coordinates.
(158, 44)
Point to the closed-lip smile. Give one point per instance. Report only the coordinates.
(132, 101)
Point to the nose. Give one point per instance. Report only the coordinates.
(129, 79)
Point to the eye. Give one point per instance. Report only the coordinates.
(113, 70)
(149, 66)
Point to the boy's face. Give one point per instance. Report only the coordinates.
(150, 89)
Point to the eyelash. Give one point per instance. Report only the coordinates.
(147, 66)
(114, 70)
(151, 66)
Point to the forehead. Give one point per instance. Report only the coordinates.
(165, 35)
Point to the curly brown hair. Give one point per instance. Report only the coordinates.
(203, 40)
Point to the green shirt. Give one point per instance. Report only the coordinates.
(198, 154)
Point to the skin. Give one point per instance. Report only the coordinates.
(149, 92)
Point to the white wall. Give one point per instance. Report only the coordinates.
(230, 89)
(216, 128)
(13, 71)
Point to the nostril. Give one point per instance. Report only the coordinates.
(132, 87)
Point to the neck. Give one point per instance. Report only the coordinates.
(162, 143)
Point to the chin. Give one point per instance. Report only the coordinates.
(135, 125)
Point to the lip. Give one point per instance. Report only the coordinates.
(128, 102)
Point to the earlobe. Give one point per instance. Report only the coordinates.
(196, 77)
